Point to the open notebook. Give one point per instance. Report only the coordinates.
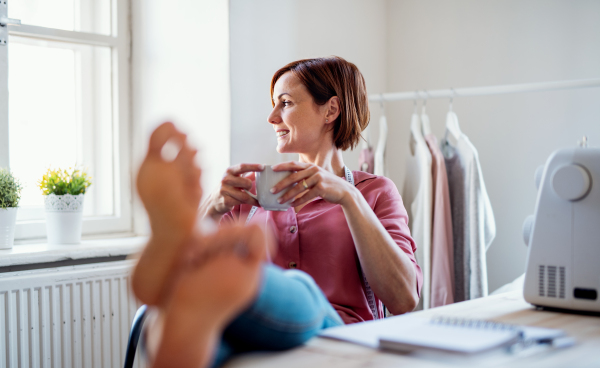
(408, 333)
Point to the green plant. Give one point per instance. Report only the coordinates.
(59, 182)
(10, 190)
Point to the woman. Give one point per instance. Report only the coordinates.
(212, 299)
(350, 238)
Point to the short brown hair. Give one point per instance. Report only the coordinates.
(334, 76)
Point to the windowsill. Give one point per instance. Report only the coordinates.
(88, 249)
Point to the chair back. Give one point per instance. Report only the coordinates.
(134, 335)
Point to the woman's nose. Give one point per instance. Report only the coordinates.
(274, 117)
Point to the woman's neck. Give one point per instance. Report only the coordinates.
(330, 159)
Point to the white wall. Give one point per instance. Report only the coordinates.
(181, 74)
(404, 45)
(268, 34)
(441, 44)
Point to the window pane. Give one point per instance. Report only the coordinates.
(60, 115)
(72, 15)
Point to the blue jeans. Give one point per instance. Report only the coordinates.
(290, 309)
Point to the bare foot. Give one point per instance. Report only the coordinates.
(170, 192)
(197, 282)
(206, 296)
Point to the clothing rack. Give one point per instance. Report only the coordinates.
(484, 91)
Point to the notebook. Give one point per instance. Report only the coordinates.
(458, 336)
(409, 333)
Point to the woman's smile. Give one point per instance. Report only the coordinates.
(282, 133)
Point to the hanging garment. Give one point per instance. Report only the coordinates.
(417, 197)
(379, 168)
(366, 160)
(473, 222)
(442, 245)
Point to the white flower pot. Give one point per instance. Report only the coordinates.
(64, 217)
(8, 220)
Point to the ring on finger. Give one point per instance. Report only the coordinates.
(304, 184)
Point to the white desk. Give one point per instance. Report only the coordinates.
(508, 307)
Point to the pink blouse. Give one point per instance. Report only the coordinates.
(317, 240)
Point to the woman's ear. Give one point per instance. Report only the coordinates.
(333, 109)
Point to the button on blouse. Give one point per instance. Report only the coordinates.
(317, 240)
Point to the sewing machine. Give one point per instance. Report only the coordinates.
(563, 262)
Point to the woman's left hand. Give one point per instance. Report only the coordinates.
(314, 181)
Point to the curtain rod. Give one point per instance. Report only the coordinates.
(484, 91)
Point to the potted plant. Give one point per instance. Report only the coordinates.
(64, 191)
(10, 193)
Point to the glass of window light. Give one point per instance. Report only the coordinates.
(61, 115)
(93, 16)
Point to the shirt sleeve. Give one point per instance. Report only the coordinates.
(387, 204)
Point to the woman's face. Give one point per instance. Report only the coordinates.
(298, 121)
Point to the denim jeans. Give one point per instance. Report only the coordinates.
(290, 309)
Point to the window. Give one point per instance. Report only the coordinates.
(64, 76)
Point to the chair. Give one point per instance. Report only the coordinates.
(134, 335)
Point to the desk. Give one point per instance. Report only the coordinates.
(508, 307)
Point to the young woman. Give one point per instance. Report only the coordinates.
(346, 230)
(353, 239)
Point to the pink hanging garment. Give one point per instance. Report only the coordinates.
(442, 244)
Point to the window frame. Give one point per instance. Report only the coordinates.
(119, 42)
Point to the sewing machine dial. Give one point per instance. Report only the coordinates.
(571, 182)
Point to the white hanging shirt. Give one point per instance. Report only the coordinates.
(417, 196)
(380, 151)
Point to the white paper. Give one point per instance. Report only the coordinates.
(416, 330)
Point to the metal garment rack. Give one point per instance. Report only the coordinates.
(484, 91)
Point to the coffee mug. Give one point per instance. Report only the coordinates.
(265, 180)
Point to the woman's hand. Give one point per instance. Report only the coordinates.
(231, 193)
(319, 183)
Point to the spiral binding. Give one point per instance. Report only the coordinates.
(474, 323)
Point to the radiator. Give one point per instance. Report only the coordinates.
(77, 316)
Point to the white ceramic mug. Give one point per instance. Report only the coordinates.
(265, 180)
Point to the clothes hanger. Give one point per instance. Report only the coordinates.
(416, 130)
(424, 118)
(415, 121)
(415, 102)
(452, 126)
